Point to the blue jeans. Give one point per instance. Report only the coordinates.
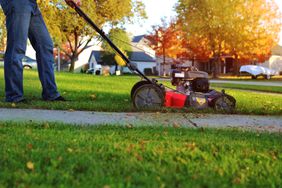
(23, 21)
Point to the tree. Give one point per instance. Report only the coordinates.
(230, 26)
(166, 40)
(68, 28)
(121, 39)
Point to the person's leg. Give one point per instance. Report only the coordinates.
(17, 24)
(43, 45)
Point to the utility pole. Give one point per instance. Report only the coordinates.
(59, 59)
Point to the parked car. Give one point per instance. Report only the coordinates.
(256, 70)
(97, 70)
(28, 63)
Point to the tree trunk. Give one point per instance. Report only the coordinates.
(73, 60)
(236, 65)
(215, 66)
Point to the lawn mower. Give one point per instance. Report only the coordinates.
(192, 86)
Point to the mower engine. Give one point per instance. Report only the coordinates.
(189, 79)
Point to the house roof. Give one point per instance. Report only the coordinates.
(135, 56)
(138, 38)
(141, 56)
(97, 55)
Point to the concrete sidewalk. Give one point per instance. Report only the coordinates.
(267, 123)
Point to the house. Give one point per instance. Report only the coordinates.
(275, 61)
(142, 56)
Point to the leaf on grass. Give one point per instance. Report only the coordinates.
(237, 180)
(70, 150)
(30, 165)
(129, 126)
(46, 125)
(138, 157)
(29, 146)
(191, 146)
(60, 158)
(176, 125)
(130, 148)
(93, 97)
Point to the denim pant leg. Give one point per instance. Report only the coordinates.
(17, 24)
(43, 45)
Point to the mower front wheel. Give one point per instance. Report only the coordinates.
(148, 97)
(225, 103)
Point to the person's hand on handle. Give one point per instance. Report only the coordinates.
(71, 2)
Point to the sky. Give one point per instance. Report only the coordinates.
(157, 9)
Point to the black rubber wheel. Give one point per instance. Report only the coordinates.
(137, 85)
(225, 103)
(267, 77)
(148, 97)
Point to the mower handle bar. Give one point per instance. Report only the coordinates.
(73, 5)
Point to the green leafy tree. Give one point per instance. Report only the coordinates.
(72, 34)
(121, 39)
(230, 26)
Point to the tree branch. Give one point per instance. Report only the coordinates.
(70, 44)
(85, 46)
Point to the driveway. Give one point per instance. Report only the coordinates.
(84, 118)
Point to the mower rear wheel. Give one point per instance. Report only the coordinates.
(148, 97)
(137, 85)
(225, 103)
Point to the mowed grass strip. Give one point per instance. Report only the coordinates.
(54, 155)
(273, 89)
(112, 94)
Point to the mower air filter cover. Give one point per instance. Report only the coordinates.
(197, 74)
(185, 75)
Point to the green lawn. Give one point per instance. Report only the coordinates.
(112, 94)
(274, 89)
(53, 155)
